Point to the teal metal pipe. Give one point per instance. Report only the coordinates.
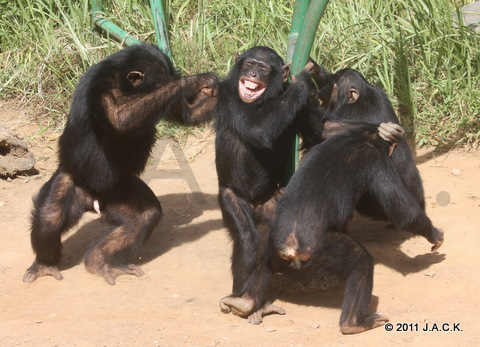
(160, 27)
(307, 34)
(114, 31)
(306, 17)
(299, 11)
(120, 35)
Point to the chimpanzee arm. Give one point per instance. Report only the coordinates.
(390, 132)
(187, 100)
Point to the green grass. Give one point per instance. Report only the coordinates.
(411, 48)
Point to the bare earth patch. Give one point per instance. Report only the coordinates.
(187, 266)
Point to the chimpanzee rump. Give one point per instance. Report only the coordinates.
(104, 147)
(308, 224)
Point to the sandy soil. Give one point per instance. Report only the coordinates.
(187, 266)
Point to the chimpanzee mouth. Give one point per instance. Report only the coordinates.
(249, 90)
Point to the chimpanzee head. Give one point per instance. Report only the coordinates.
(348, 95)
(142, 67)
(259, 74)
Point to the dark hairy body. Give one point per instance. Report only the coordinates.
(103, 149)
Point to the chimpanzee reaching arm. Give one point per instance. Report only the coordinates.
(104, 147)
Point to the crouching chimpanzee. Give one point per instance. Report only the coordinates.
(347, 96)
(308, 225)
(104, 148)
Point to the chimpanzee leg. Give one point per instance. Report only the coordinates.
(342, 255)
(251, 302)
(403, 208)
(131, 211)
(58, 206)
(238, 216)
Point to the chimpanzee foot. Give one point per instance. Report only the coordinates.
(257, 316)
(239, 306)
(437, 239)
(111, 272)
(371, 321)
(39, 270)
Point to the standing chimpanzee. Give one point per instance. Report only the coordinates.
(255, 112)
(307, 228)
(347, 96)
(104, 148)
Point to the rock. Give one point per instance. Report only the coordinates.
(14, 154)
(456, 172)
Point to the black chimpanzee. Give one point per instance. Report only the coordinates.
(104, 148)
(257, 116)
(347, 96)
(255, 112)
(308, 224)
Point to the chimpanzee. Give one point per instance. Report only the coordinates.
(308, 224)
(255, 112)
(105, 146)
(347, 96)
(257, 115)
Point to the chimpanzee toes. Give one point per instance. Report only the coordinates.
(39, 270)
(439, 238)
(371, 321)
(239, 306)
(257, 316)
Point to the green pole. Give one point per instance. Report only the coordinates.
(306, 17)
(160, 27)
(307, 34)
(299, 11)
(121, 35)
(114, 31)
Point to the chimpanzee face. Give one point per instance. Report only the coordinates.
(254, 78)
(260, 72)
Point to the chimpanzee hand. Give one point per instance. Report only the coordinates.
(209, 83)
(391, 132)
(304, 73)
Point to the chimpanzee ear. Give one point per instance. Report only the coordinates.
(286, 72)
(135, 77)
(237, 56)
(353, 95)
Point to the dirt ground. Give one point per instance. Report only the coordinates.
(187, 266)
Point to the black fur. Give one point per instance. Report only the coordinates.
(104, 147)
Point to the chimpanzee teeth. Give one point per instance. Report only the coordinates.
(251, 85)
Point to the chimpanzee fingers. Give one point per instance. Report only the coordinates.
(210, 83)
(308, 67)
(39, 270)
(391, 132)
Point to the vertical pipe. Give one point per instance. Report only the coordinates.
(299, 11)
(307, 34)
(308, 20)
(160, 27)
